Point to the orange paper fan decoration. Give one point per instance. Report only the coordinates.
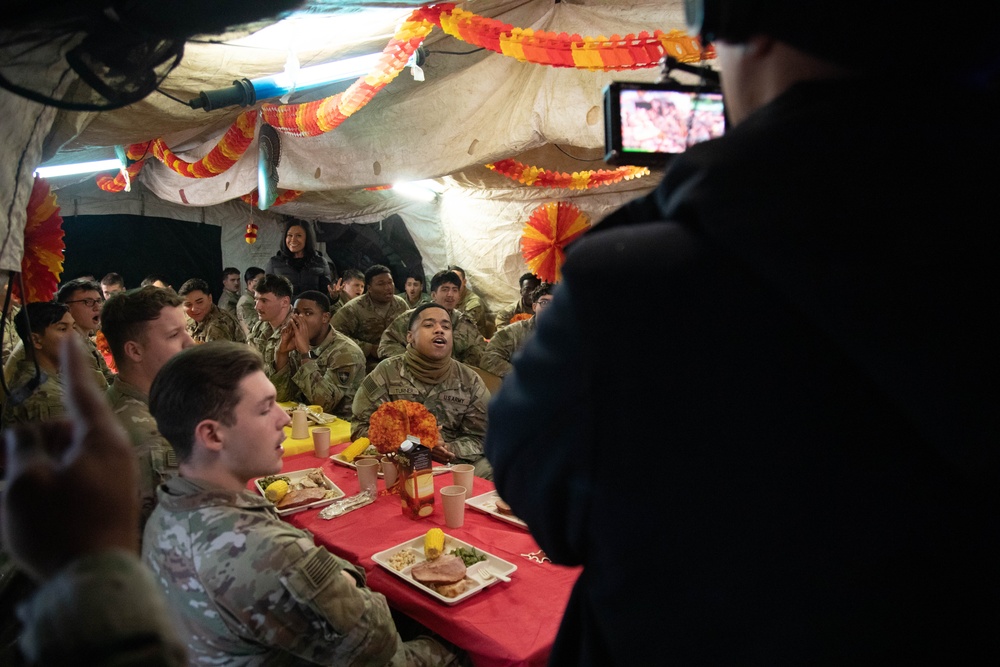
(42, 263)
(520, 317)
(543, 241)
(395, 420)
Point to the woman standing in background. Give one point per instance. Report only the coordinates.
(298, 260)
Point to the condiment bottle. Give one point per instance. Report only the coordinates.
(417, 481)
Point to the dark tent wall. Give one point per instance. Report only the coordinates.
(356, 246)
(136, 246)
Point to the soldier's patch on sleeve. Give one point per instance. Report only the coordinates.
(344, 376)
(369, 385)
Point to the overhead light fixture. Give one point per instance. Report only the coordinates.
(78, 168)
(422, 190)
(245, 92)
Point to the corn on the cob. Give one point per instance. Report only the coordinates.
(433, 543)
(276, 490)
(355, 448)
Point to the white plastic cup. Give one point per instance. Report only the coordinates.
(367, 473)
(300, 425)
(321, 441)
(461, 475)
(389, 472)
(453, 499)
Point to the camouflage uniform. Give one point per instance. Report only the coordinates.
(266, 339)
(468, 344)
(97, 361)
(504, 344)
(329, 376)
(505, 314)
(249, 589)
(228, 301)
(217, 325)
(364, 321)
(10, 337)
(246, 313)
(458, 403)
(44, 404)
(473, 306)
(423, 298)
(339, 303)
(157, 460)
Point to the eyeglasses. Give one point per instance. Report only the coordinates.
(544, 304)
(89, 303)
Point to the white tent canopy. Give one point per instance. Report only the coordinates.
(470, 110)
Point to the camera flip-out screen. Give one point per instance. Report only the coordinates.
(648, 123)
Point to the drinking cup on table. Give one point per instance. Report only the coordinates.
(461, 475)
(300, 424)
(453, 499)
(367, 473)
(389, 472)
(321, 441)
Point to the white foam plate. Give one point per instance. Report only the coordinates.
(294, 478)
(487, 503)
(416, 545)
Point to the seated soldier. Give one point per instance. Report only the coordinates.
(365, 318)
(245, 311)
(469, 302)
(413, 290)
(315, 364)
(426, 373)
(230, 290)
(206, 321)
(468, 344)
(350, 285)
(144, 327)
(273, 303)
(36, 390)
(111, 283)
(508, 340)
(85, 298)
(528, 282)
(245, 586)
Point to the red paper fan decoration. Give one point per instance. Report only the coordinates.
(42, 263)
(550, 228)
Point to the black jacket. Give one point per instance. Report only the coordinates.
(306, 273)
(797, 462)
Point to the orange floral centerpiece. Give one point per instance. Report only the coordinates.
(393, 421)
(520, 317)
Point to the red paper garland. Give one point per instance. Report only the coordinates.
(42, 262)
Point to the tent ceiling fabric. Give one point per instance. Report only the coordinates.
(471, 110)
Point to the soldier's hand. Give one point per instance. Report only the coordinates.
(72, 484)
(301, 335)
(441, 453)
(336, 288)
(287, 343)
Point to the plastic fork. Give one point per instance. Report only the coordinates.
(486, 573)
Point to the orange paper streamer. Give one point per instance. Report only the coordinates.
(578, 180)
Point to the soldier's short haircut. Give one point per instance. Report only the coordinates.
(113, 279)
(125, 315)
(274, 284)
(527, 276)
(352, 274)
(445, 276)
(415, 315)
(252, 273)
(229, 271)
(416, 275)
(457, 269)
(152, 278)
(194, 284)
(70, 288)
(542, 290)
(40, 315)
(376, 270)
(322, 300)
(199, 383)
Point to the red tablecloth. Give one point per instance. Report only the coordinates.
(505, 625)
